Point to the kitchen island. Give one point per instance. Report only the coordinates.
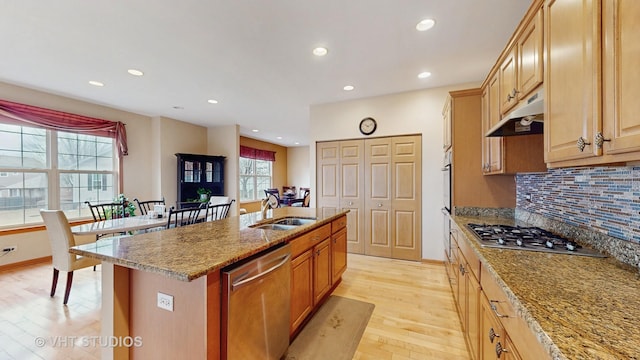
(185, 263)
(575, 307)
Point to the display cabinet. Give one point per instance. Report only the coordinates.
(199, 174)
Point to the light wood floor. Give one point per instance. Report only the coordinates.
(414, 317)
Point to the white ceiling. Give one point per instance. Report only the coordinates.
(253, 56)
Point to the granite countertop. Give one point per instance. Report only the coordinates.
(578, 307)
(188, 252)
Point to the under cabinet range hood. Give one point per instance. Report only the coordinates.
(524, 120)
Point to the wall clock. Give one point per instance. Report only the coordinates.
(368, 126)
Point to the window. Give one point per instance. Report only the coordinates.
(52, 169)
(255, 177)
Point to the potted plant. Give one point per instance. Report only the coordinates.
(129, 207)
(205, 194)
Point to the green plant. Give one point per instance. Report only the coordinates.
(205, 194)
(129, 207)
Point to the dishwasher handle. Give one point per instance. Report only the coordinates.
(243, 282)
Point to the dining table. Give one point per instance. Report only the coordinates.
(120, 225)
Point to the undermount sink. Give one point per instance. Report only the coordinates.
(295, 221)
(287, 223)
(274, 227)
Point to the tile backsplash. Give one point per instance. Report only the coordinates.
(603, 199)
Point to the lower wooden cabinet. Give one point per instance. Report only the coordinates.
(492, 332)
(338, 254)
(319, 259)
(301, 288)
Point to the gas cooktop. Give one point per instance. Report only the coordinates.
(527, 238)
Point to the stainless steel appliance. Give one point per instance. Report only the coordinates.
(527, 238)
(256, 307)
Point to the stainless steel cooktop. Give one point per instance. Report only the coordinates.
(528, 239)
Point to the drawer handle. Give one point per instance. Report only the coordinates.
(500, 350)
(495, 309)
(600, 140)
(492, 335)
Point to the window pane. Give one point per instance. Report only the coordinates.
(247, 188)
(246, 166)
(263, 167)
(23, 147)
(22, 195)
(263, 183)
(76, 188)
(84, 152)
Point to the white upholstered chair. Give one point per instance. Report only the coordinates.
(61, 239)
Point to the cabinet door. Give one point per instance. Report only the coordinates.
(491, 332)
(463, 291)
(508, 81)
(321, 269)
(510, 352)
(621, 76)
(446, 120)
(473, 319)
(328, 176)
(492, 159)
(351, 192)
(530, 56)
(301, 288)
(572, 86)
(338, 254)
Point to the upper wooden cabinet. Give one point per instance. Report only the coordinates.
(446, 125)
(591, 110)
(521, 70)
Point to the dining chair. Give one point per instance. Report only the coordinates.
(218, 211)
(61, 239)
(104, 211)
(276, 194)
(304, 201)
(182, 217)
(147, 205)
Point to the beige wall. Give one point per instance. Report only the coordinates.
(414, 112)
(225, 141)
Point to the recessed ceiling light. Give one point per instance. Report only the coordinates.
(279, 137)
(296, 143)
(96, 83)
(424, 75)
(135, 72)
(320, 51)
(255, 130)
(425, 24)
(212, 101)
(348, 88)
(178, 107)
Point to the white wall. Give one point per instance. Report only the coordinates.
(414, 112)
(298, 166)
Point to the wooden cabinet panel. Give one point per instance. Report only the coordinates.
(301, 289)
(491, 146)
(321, 270)
(338, 255)
(378, 175)
(446, 120)
(530, 69)
(310, 239)
(491, 331)
(621, 78)
(572, 86)
(508, 81)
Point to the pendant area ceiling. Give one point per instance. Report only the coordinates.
(254, 57)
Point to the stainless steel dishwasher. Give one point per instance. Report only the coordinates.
(255, 307)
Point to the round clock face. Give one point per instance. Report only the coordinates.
(367, 126)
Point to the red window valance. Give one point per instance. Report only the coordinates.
(21, 114)
(251, 153)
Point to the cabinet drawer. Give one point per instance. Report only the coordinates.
(308, 240)
(338, 224)
(470, 256)
(519, 332)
